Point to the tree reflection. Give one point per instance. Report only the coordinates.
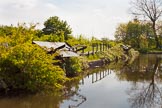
(73, 93)
(147, 93)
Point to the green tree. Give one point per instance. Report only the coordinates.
(129, 33)
(73, 66)
(120, 33)
(58, 27)
(152, 9)
(18, 35)
(6, 30)
(27, 66)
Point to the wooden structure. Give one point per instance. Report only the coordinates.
(64, 49)
(77, 48)
(98, 48)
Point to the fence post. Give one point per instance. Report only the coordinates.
(100, 47)
(96, 47)
(83, 51)
(92, 48)
(103, 47)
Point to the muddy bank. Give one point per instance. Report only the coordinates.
(129, 56)
(96, 63)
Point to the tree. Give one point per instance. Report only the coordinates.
(152, 9)
(120, 33)
(57, 27)
(26, 66)
(146, 95)
(129, 33)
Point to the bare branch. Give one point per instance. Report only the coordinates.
(150, 8)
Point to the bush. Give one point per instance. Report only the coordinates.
(143, 50)
(28, 67)
(73, 66)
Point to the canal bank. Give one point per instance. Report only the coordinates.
(113, 55)
(77, 65)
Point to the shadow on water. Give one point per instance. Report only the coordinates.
(145, 75)
(96, 75)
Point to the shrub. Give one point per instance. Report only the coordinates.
(28, 67)
(143, 50)
(73, 66)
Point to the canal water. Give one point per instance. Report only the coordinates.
(133, 84)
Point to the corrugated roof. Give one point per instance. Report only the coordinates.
(64, 52)
(53, 45)
(68, 54)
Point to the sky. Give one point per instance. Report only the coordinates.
(98, 18)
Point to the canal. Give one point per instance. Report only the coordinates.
(133, 84)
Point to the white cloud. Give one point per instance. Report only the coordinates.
(25, 11)
(89, 17)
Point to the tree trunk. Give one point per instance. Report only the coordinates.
(156, 37)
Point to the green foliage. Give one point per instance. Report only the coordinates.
(114, 53)
(144, 50)
(73, 66)
(72, 41)
(131, 32)
(143, 41)
(84, 62)
(120, 33)
(93, 57)
(18, 35)
(24, 65)
(28, 67)
(49, 38)
(57, 27)
(6, 30)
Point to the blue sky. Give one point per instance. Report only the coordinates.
(97, 18)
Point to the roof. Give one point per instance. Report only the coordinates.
(53, 45)
(65, 50)
(68, 54)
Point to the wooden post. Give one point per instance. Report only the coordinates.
(96, 77)
(100, 47)
(82, 81)
(96, 47)
(76, 49)
(92, 78)
(106, 47)
(103, 47)
(92, 48)
(103, 74)
(83, 51)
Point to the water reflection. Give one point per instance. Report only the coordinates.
(118, 85)
(99, 75)
(79, 97)
(36, 101)
(146, 76)
(96, 75)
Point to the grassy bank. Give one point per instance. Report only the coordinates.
(113, 54)
(150, 51)
(77, 65)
